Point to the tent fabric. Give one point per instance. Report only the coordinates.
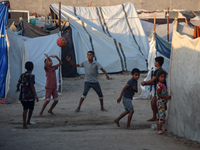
(3, 47)
(114, 33)
(161, 30)
(158, 47)
(22, 49)
(184, 109)
(162, 46)
(190, 14)
(195, 21)
(32, 31)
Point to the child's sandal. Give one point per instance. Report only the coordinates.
(159, 132)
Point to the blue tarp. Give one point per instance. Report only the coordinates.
(162, 46)
(3, 46)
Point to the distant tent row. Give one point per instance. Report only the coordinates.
(114, 33)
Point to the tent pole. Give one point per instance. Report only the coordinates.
(59, 16)
(168, 24)
(90, 3)
(154, 30)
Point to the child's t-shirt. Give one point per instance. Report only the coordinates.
(51, 82)
(91, 70)
(26, 93)
(129, 92)
(163, 89)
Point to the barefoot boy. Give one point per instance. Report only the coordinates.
(51, 83)
(126, 95)
(158, 64)
(91, 81)
(27, 93)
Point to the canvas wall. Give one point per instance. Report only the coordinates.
(184, 107)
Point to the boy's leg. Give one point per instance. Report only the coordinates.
(80, 103)
(24, 114)
(24, 118)
(31, 108)
(101, 103)
(44, 106)
(154, 109)
(129, 118)
(47, 99)
(29, 117)
(120, 117)
(52, 106)
(96, 86)
(87, 87)
(55, 97)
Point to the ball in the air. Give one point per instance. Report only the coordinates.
(61, 42)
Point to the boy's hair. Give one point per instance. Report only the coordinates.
(29, 65)
(135, 70)
(160, 60)
(90, 52)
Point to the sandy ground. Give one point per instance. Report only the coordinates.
(90, 128)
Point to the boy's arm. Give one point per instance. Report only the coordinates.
(46, 62)
(107, 77)
(135, 89)
(123, 90)
(17, 87)
(69, 60)
(33, 89)
(60, 62)
(150, 82)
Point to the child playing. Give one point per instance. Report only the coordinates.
(91, 66)
(27, 93)
(51, 83)
(158, 64)
(162, 97)
(126, 95)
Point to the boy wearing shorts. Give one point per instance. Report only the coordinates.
(51, 83)
(91, 66)
(126, 95)
(27, 93)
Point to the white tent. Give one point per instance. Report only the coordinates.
(184, 79)
(114, 33)
(22, 49)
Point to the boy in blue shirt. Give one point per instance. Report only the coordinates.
(126, 95)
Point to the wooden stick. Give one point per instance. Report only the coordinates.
(154, 30)
(186, 21)
(90, 3)
(59, 16)
(168, 24)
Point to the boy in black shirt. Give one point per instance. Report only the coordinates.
(158, 64)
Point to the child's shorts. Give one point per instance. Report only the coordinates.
(52, 92)
(127, 102)
(28, 105)
(96, 86)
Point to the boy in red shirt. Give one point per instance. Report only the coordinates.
(51, 84)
